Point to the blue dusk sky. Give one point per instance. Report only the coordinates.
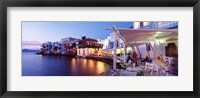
(36, 33)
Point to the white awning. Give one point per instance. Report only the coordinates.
(134, 44)
(135, 35)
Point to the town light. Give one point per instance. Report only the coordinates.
(129, 49)
(158, 32)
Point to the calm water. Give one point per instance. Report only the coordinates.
(37, 65)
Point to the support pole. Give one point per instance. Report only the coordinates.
(115, 46)
(120, 53)
(152, 49)
(155, 48)
(124, 53)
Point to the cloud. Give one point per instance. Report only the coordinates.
(31, 43)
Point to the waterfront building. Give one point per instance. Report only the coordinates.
(88, 46)
(109, 42)
(65, 46)
(63, 49)
(69, 45)
(99, 41)
(56, 48)
(46, 48)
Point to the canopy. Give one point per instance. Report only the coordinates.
(134, 35)
(134, 44)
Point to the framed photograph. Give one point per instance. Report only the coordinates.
(85, 48)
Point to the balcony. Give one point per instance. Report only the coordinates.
(169, 25)
(162, 25)
(89, 46)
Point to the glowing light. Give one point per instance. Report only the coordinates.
(120, 50)
(73, 65)
(100, 68)
(158, 32)
(128, 49)
(91, 66)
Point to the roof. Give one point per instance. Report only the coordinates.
(69, 38)
(89, 39)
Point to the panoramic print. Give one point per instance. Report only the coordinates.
(95, 48)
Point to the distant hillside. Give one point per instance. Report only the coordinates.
(28, 50)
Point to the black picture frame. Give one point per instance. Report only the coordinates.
(100, 3)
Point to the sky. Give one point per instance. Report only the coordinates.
(36, 33)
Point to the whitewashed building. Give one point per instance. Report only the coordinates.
(88, 47)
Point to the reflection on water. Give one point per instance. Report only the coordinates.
(37, 65)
